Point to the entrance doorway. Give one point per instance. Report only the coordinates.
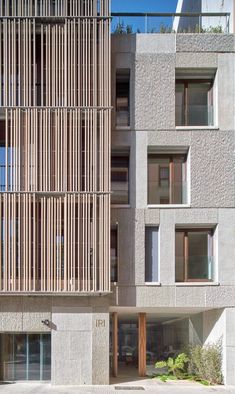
(25, 357)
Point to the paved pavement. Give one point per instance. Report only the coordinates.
(140, 386)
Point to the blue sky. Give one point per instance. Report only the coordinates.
(143, 5)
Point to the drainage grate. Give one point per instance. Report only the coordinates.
(129, 388)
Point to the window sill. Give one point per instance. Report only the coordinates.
(196, 127)
(152, 284)
(122, 128)
(169, 206)
(190, 284)
(120, 206)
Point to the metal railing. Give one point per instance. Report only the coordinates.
(139, 22)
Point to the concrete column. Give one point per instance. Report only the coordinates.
(80, 346)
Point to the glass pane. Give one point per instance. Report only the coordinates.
(114, 255)
(179, 105)
(128, 344)
(199, 256)
(34, 357)
(200, 106)
(7, 360)
(151, 254)
(20, 357)
(120, 180)
(122, 98)
(179, 256)
(158, 180)
(179, 192)
(46, 356)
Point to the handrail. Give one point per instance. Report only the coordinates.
(167, 14)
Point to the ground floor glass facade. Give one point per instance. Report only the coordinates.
(25, 357)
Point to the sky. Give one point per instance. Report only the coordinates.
(138, 23)
(144, 5)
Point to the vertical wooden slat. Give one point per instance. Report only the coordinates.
(142, 344)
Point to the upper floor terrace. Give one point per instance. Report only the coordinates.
(179, 22)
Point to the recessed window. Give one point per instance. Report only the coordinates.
(194, 103)
(151, 254)
(194, 255)
(123, 98)
(120, 179)
(114, 254)
(167, 179)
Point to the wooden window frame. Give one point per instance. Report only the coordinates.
(210, 232)
(186, 82)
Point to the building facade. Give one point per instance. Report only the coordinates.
(117, 194)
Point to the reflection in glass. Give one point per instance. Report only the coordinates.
(194, 255)
(25, 357)
(194, 103)
(120, 179)
(167, 179)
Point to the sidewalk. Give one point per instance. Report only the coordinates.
(140, 386)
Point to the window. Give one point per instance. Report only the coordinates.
(151, 254)
(123, 98)
(194, 102)
(167, 179)
(114, 254)
(194, 255)
(120, 179)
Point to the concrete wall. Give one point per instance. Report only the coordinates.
(152, 60)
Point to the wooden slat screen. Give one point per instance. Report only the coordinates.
(55, 130)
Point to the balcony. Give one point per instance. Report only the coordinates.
(128, 23)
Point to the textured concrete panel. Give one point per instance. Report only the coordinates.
(80, 345)
(226, 93)
(154, 91)
(155, 296)
(72, 319)
(125, 219)
(152, 216)
(67, 372)
(190, 296)
(167, 246)
(204, 43)
(32, 321)
(230, 324)
(196, 216)
(212, 178)
(226, 250)
(100, 348)
(139, 248)
(155, 43)
(196, 60)
(220, 296)
(11, 321)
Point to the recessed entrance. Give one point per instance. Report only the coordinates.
(25, 357)
(138, 340)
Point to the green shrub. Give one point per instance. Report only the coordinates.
(175, 366)
(205, 362)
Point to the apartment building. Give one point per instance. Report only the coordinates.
(117, 194)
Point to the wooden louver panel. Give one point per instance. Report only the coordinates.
(55, 131)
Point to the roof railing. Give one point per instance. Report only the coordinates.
(184, 22)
